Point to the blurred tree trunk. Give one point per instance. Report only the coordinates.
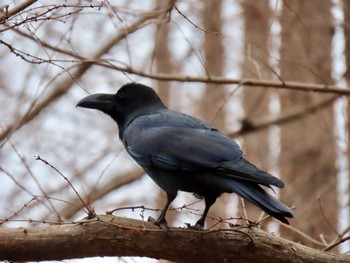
(346, 7)
(308, 158)
(163, 59)
(214, 95)
(162, 54)
(257, 17)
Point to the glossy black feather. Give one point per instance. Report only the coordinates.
(181, 152)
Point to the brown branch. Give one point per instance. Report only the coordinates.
(193, 24)
(15, 10)
(280, 84)
(292, 85)
(252, 126)
(114, 236)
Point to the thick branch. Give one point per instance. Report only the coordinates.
(115, 236)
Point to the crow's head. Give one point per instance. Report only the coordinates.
(130, 101)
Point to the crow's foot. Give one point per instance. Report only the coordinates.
(195, 227)
(160, 223)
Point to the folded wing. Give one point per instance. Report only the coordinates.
(191, 149)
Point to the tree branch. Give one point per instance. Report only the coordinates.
(101, 191)
(115, 236)
(15, 10)
(279, 84)
(249, 126)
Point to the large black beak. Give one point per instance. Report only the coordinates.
(100, 101)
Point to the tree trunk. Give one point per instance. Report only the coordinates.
(162, 54)
(257, 16)
(308, 159)
(163, 62)
(346, 8)
(214, 95)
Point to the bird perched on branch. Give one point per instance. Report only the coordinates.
(183, 153)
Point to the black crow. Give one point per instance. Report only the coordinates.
(183, 153)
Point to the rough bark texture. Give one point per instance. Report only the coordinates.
(114, 236)
(307, 159)
(257, 15)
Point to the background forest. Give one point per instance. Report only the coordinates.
(273, 75)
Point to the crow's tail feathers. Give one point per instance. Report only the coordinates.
(253, 193)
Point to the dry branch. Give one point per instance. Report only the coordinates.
(266, 122)
(15, 10)
(275, 84)
(113, 184)
(114, 236)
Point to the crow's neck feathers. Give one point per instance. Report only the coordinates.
(134, 100)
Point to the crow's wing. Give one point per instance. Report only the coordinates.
(193, 149)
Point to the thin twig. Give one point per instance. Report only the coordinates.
(91, 212)
(35, 179)
(340, 240)
(193, 24)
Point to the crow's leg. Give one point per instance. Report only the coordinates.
(161, 222)
(209, 201)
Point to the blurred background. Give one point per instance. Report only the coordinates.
(198, 55)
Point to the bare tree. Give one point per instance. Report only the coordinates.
(59, 164)
(257, 23)
(214, 96)
(307, 159)
(163, 62)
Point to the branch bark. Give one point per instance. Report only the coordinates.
(107, 235)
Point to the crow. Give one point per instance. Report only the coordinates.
(183, 153)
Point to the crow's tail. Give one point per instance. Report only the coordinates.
(253, 193)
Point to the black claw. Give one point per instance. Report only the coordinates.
(195, 227)
(151, 219)
(160, 223)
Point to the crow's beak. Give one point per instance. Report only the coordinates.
(103, 102)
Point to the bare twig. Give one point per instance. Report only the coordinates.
(193, 24)
(65, 84)
(339, 241)
(111, 185)
(299, 232)
(35, 179)
(17, 212)
(91, 212)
